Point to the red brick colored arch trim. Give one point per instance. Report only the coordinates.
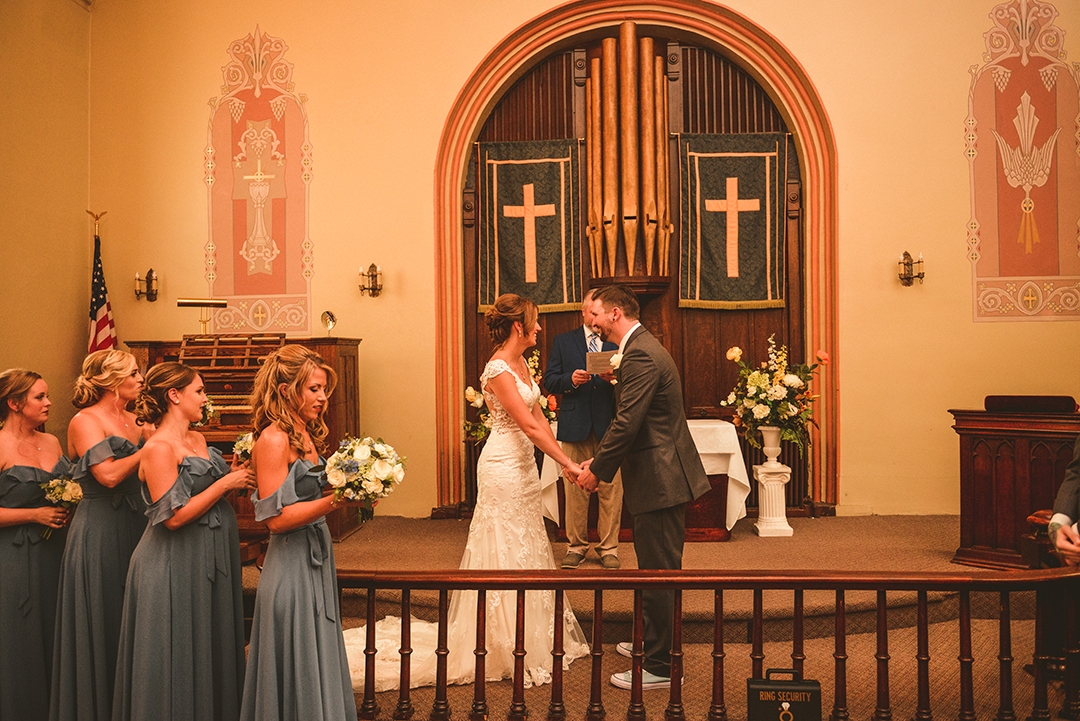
(709, 25)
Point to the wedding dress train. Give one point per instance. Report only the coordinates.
(507, 532)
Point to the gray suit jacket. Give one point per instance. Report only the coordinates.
(649, 437)
(1068, 495)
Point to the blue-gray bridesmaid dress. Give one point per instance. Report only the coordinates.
(101, 538)
(181, 650)
(29, 574)
(297, 667)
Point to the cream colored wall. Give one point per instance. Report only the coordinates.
(381, 78)
(45, 242)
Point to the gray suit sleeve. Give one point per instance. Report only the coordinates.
(638, 380)
(1068, 495)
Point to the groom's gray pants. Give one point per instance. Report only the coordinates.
(658, 542)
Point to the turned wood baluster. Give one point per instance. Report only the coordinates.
(967, 693)
(595, 712)
(556, 709)
(757, 652)
(479, 710)
(1040, 710)
(1005, 661)
(675, 706)
(637, 705)
(440, 708)
(797, 655)
(518, 712)
(922, 659)
(404, 710)
(840, 712)
(883, 711)
(1072, 655)
(718, 711)
(369, 709)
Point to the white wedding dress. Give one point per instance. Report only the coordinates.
(507, 532)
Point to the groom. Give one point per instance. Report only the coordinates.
(661, 469)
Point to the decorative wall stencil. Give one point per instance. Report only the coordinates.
(1023, 148)
(258, 174)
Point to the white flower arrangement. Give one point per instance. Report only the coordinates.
(243, 447)
(209, 413)
(61, 491)
(364, 470)
(774, 395)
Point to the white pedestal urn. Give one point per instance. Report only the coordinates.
(772, 476)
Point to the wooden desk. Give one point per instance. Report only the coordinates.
(342, 415)
(1011, 465)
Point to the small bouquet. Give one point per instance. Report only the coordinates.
(775, 394)
(242, 448)
(63, 492)
(364, 470)
(209, 413)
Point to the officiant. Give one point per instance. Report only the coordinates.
(588, 403)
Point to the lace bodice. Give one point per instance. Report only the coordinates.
(501, 422)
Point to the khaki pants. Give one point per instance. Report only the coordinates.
(577, 504)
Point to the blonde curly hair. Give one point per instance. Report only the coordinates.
(102, 371)
(271, 404)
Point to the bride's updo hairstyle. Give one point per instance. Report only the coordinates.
(279, 392)
(14, 385)
(510, 309)
(153, 400)
(102, 371)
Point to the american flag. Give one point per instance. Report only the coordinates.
(102, 328)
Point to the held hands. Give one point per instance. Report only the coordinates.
(586, 480)
(571, 471)
(1067, 542)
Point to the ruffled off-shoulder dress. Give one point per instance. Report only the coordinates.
(101, 538)
(29, 575)
(297, 667)
(181, 649)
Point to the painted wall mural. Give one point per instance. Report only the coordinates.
(1023, 148)
(258, 170)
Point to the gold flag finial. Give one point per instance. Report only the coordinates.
(97, 218)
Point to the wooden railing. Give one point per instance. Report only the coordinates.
(1048, 584)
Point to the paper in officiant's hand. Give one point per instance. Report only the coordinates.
(599, 363)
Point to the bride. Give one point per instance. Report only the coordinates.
(507, 532)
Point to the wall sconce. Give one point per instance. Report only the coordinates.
(910, 269)
(146, 286)
(371, 281)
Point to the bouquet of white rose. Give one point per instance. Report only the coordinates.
(63, 492)
(209, 413)
(364, 470)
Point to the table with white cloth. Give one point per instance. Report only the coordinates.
(718, 446)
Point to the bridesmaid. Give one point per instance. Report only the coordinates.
(297, 667)
(107, 442)
(181, 651)
(29, 564)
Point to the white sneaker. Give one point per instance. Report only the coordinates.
(648, 680)
(625, 649)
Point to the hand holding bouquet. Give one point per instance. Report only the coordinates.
(363, 471)
(63, 492)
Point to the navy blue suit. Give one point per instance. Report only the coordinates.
(584, 416)
(590, 406)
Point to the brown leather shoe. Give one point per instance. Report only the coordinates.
(573, 559)
(610, 561)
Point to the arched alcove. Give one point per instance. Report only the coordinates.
(705, 24)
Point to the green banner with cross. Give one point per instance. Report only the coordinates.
(732, 202)
(529, 211)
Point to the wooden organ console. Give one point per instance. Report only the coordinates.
(228, 364)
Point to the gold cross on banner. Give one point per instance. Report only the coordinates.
(732, 206)
(260, 315)
(1030, 298)
(529, 211)
(259, 176)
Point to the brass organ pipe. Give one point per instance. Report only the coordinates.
(596, 220)
(610, 94)
(628, 63)
(648, 151)
(663, 167)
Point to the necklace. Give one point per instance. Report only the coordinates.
(119, 415)
(183, 439)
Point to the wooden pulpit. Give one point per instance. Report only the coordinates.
(228, 364)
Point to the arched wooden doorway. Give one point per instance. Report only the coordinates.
(696, 24)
